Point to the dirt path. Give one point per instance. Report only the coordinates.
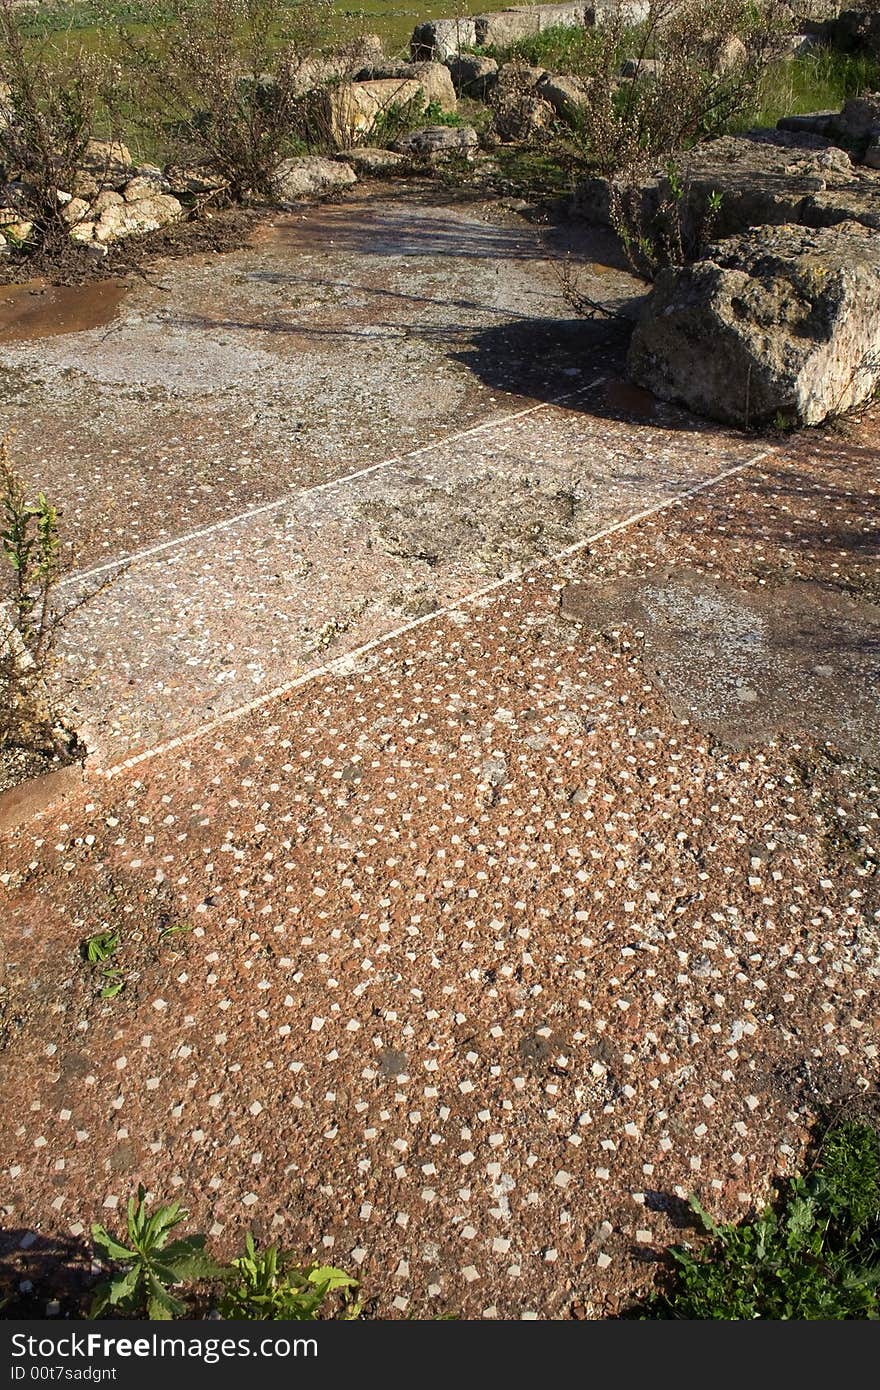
(504, 935)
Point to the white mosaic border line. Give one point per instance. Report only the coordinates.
(125, 561)
(339, 663)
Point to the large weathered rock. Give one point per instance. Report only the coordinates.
(501, 28)
(371, 162)
(114, 218)
(445, 38)
(439, 140)
(352, 109)
(439, 39)
(473, 76)
(567, 95)
(855, 126)
(623, 12)
(106, 158)
(778, 323)
(518, 101)
(858, 30)
(310, 176)
(860, 116)
(436, 83)
(433, 78)
(346, 64)
(768, 177)
(145, 185)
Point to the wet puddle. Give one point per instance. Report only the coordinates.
(38, 310)
(631, 400)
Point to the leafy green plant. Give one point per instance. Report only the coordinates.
(815, 1255)
(266, 1284)
(434, 114)
(151, 1265)
(172, 930)
(396, 119)
(100, 946)
(114, 982)
(97, 950)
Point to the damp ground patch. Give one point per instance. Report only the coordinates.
(747, 664)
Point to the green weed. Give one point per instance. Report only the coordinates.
(151, 1265)
(815, 1255)
(101, 946)
(265, 1284)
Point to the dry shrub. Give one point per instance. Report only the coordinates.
(51, 104)
(694, 67)
(30, 617)
(228, 84)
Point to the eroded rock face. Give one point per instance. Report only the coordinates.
(352, 109)
(438, 140)
(778, 324)
(858, 122)
(107, 157)
(768, 177)
(439, 39)
(123, 218)
(473, 76)
(371, 162)
(566, 94)
(312, 175)
(445, 38)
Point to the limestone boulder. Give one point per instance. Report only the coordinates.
(567, 95)
(446, 38)
(768, 177)
(439, 39)
(473, 76)
(432, 142)
(780, 323)
(436, 83)
(145, 185)
(75, 210)
(501, 28)
(860, 116)
(625, 13)
(107, 158)
(311, 176)
(115, 220)
(370, 162)
(433, 78)
(352, 110)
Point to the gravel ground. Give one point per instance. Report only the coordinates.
(500, 937)
(493, 958)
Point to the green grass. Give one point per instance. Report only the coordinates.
(814, 1255)
(560, 49)
(821, 80)
(85, 20)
